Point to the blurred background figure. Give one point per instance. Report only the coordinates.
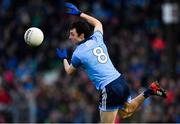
(143, 40)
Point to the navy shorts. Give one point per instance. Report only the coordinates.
(114, 95)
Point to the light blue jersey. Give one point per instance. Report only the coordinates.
(93, 56)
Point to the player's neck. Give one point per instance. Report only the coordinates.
(83, 41)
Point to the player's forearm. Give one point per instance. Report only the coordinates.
(92, 21)
(67, 67)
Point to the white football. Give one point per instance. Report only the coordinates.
(34, 36)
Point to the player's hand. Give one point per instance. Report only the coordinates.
(72, 9)
(62, 54)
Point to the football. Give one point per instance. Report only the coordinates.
(34, 36)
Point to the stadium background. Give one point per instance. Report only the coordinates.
(34, 86)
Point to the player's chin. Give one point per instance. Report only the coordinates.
(74, 41)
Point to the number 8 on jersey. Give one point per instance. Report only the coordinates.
(101, 56)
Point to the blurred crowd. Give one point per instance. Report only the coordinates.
(34, 86)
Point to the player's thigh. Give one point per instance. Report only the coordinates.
(108, 116)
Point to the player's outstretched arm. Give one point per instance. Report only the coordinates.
(73, 10)
(62, 54)
(93, 21)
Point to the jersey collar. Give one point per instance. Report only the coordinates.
(83, 41)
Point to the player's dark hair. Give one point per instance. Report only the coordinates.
(81, 27)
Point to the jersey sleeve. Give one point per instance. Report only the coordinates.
(75, 61)
(97, 36)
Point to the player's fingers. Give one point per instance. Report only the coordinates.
(69, 5)
(58, 51)
(65, 52)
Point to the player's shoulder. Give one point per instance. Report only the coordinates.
(97, 36)
(98, 33)
(78, 50)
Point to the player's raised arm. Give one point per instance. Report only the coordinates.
(73, 10)
(93, 21)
